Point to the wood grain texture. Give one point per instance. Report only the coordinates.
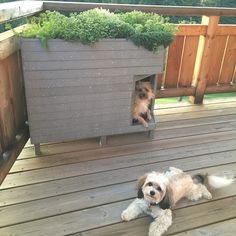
(163, 10)
(180, 223)
(58, 173)
(10, 11)
(66, 203)
(223, 29)
(13, 152)
(59, 45)
(173, 62)
(9, 43)
(82, 81)
(80, 90)
(204, 63)
(87, 55)
(7, 120)
(188, 61)
(132, 157)
(164, 123)
(87, 64)
(228, 66)
(194, 30)
(12, 113)
(85, 187)
(54, 74)
(227, 228)
(217, 57)
(51, 98)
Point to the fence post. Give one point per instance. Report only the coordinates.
(203, 59)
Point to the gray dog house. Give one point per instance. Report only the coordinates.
(75, 91)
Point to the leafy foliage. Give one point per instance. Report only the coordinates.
(152, 40)
(151, 30)
(145, 29)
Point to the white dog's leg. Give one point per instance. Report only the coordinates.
(198, 191)
(137, 207)
(160, 225)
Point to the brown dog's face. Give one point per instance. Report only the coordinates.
(144, 90)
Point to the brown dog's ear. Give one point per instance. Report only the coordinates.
(141, 181)
(167, 201)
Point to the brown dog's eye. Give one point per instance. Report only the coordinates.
(150, 184)
(159, 189)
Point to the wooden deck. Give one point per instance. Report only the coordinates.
(78, 188)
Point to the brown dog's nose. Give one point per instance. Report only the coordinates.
(152, 193)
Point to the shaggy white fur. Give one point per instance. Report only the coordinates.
(159, 192)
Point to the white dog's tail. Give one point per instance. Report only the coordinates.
(219, 182)
(213, 181)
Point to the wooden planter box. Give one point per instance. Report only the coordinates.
(76, 91)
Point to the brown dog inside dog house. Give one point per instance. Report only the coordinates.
(143, 98)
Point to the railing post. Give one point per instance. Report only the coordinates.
(203, 59)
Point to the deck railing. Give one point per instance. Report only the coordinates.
(201, 60)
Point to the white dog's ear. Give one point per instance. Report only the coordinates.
(167, 201)
(141, 181)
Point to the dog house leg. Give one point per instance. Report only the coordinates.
(37, 149)
(151, 134)
(103, 140)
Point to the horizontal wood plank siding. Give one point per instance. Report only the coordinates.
(91, 86)
(88, 55)
(72, 106)
(78, 98)
(71, 82)
(57, 74)
(68, 91)
(87, 64)
(93, 130)
(58, 45)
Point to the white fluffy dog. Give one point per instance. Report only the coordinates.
(159, 192)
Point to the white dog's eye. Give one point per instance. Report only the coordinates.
(149, 183)
(159, 189)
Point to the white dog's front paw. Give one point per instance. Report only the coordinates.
(207, 195)
(125, 216)
(160, 224)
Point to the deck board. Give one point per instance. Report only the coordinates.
(226, 228)
(119, 161)
(82, 200)
(189, 118)
(79, 188)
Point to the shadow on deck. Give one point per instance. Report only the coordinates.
(78, 188)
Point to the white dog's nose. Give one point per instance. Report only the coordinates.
(152, 193)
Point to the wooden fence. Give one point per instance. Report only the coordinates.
(13, 131)
(200, 60)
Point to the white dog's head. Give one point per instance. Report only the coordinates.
(153, 187)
